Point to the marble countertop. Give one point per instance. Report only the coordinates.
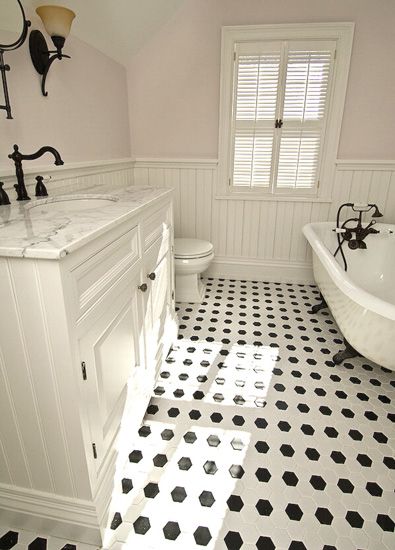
(29, 229)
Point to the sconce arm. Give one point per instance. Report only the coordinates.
(41, 55)
(46, 70)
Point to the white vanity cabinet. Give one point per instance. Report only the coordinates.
(82, 339)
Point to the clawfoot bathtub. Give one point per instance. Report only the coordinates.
(361, 299)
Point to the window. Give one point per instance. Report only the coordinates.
(282, 96)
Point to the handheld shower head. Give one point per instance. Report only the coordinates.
(376, 213)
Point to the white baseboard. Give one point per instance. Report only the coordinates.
(258, 270)
(63, 517)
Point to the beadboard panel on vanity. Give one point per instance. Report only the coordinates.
(261, 239)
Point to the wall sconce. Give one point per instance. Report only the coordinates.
(3, 67)
(57, 22)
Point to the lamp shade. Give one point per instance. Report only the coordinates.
(56, 19)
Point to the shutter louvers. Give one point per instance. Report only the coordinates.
(252, 158)
(257, 82)
(298, 159)
(306, 85)
(254, 115)
(305, 100)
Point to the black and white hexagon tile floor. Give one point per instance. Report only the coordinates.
(254, 439)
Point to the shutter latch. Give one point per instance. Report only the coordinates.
(278, 123)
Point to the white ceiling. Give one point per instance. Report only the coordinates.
(116, 27)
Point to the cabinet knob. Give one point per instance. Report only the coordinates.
(143, 287)
(152, 276)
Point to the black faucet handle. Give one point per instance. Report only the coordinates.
(41, 190)
(15, 153)
(3, 195)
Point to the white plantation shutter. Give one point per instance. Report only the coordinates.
(252, 158)
(306, 85)
(257, 83)
(255, 104)
(298, 159)
(287, 82)
(303, 114)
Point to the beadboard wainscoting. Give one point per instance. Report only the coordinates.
(261, 239)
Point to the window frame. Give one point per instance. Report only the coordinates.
(342, 35)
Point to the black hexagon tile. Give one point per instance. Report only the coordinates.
(202, 536)
(171, 530)
(8, 540)
(38, 543)
(206, 498)
(235, 503)
(253, 437)
(142, 525)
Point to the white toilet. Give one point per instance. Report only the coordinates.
(191, 258)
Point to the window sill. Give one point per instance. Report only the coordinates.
(271, 198)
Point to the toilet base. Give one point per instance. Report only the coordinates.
(189, 288)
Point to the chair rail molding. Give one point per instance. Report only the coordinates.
(343, 164)
(146, 162)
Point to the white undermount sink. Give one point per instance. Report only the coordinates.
(70, 203)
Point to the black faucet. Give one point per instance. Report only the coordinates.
(360, 233)
(18, 157)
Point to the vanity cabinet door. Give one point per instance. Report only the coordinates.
(158, 304)
(112, 355)
(161, 301)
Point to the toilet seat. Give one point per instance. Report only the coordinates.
(191, 249)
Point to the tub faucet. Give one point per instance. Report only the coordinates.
(355, 235)
(362, 232)
(18, 157)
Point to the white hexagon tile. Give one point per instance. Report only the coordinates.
(254, 439)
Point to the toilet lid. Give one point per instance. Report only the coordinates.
(192, 248)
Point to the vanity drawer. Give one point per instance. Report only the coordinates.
(93, 277)
(155, 226)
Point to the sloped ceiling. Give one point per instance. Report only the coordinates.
(118, 28)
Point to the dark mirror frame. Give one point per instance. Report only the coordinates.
(3, 67)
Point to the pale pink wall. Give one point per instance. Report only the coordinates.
(85, 115)
(174, 80)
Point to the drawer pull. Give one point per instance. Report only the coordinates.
(152, 276)
(143, 287)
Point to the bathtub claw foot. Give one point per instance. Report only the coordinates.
(347, 353)
(321, 305)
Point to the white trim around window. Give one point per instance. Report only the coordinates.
(245, 38)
